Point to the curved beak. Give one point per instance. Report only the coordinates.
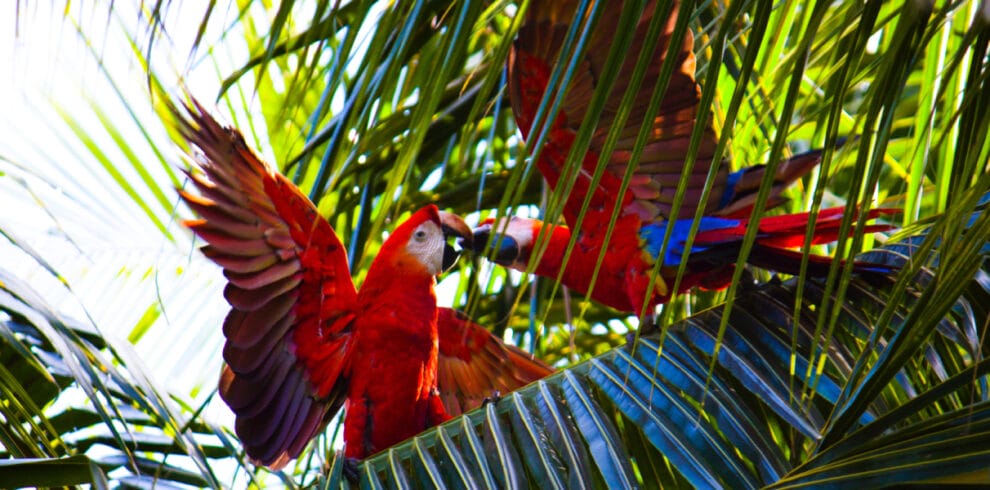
(506, 249)
(453, 225)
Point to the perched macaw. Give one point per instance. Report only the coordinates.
(301, 341)
(646, 204)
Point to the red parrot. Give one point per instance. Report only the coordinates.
(646, 206)
(301, 341)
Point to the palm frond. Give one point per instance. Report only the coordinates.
(376, 110)
(651, 413)
(71, 391)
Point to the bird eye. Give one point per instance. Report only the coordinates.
(419, 235)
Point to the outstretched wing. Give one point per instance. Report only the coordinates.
(654, 182)
(537, 50)
(474, 364)
(289, 288)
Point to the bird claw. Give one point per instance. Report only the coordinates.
(648, 327)
(748, 281)
(496, 396)
(351, 471)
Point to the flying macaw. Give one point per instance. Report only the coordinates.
(646, 205)
(301, 341)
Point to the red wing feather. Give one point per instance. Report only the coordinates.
(650, 195)
(289, 287)
(655, 178)
(474, 364)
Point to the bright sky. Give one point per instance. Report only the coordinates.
(116, 261)
(120, 267)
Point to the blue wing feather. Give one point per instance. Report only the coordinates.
(652, 237)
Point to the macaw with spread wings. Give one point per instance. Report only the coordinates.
(302, 341)
(637, 238)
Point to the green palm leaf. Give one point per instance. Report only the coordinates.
(50, 366)
(377, 110)
(713, 428)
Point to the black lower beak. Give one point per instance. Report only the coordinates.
(453, 225)
(506, 249)
(450, 256)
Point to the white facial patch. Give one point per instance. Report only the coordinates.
(426, 244)
(520, 229)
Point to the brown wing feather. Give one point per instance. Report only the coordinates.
(537, 49)
(474, 364)
(289, 287)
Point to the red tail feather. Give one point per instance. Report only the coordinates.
(789, 262)
(780, 233)
(788, 231)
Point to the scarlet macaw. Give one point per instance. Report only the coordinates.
(646, 205)
(301, 341)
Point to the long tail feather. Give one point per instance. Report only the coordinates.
(788, 231)
(778, 234)
(789, 262)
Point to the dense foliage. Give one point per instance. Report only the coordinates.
(375, 109)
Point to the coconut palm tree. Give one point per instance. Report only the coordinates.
(110, 319)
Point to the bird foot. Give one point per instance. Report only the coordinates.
(494, 398)
(648, 327)
(748, 281)
(351, 471)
